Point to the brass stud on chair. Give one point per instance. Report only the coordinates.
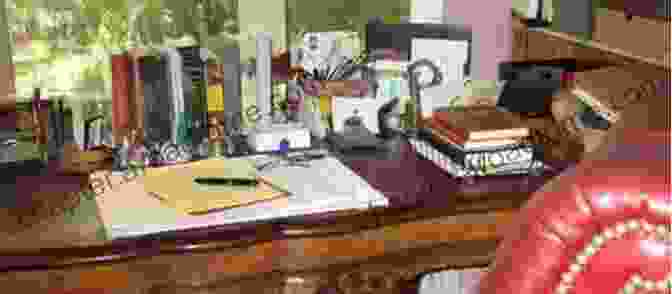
(616, 231)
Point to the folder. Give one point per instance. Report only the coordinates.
(175, 186)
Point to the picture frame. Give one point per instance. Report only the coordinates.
(350, 111)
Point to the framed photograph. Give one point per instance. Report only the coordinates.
(351, 111)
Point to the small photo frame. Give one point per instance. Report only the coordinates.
(352, 111)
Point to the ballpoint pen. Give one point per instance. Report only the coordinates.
(213, 181)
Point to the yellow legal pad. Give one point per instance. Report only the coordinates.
(175, 185)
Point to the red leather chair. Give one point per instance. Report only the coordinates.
(603, 227)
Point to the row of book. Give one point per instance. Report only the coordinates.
(477, 141)
(159, 95)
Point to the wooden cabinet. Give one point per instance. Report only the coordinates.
(642, 37)
(541, 45)
(583, 52)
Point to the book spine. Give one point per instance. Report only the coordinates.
(448, 134)
(450, 150)
(478, 145)
(136, 97)
(120, 96)
(158, 108)
(485, 158)
(460, 133)
(197, 99)
(427, 150)
(499, 134)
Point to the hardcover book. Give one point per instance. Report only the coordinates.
(445, 136)
(158, 106)
(492, 157)
(136, 94)
(121, 90)
(481, 123)
(195, 91)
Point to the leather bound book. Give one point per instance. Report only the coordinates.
(609, 90)
(136, 94)
(120, 96)
(481, 123)
(445, 136)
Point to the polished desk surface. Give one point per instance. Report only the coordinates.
(416, 189)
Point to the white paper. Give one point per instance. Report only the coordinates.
(326, 185)
(326, 178)
(450, 56)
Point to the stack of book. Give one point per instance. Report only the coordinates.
(477, 141)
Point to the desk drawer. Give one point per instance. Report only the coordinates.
(644, 37)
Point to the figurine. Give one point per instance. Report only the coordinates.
(389, 122)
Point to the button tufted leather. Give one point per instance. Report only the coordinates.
(601, 227)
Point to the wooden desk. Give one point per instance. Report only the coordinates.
(435, 220)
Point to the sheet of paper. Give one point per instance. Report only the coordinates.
(127, 210)
(451, 57)
(324, 179)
